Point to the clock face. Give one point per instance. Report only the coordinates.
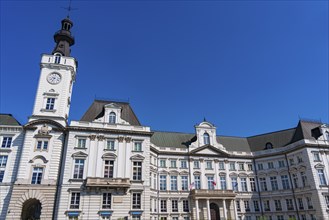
(54, 78)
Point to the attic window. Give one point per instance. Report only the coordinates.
(268, 145)
(112, 118)
(206, 138)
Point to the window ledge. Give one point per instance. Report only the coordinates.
(80, 148)
(137, 151)
(109, 149)
(137, 181)
(48, 110)
(76, 180)
(2, 149)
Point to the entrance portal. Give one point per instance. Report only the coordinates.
(214, 212)
(31, 210)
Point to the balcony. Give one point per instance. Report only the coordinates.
(212, 194)
(108, 182)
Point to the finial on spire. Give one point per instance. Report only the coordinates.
(69, 9)
(204, 119)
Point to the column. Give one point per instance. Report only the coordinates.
(197, 209)
(235, 211)
(208, 210)
(224, 209)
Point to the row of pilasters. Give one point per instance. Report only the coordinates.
(227, 209)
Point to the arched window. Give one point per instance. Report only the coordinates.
(206, 138)
(112, 118)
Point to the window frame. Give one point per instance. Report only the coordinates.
(37, 176)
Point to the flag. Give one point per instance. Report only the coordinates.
(214, 183)
(191, 185)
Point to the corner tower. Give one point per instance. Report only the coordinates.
(57, 75)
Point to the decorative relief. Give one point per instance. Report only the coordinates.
(92, 137)
(44, 130)
(128, 139)
(121, 139)
(101, 137)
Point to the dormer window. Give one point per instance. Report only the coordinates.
(206, 138)
(268, 145)
(112, 118)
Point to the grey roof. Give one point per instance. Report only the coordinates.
(245, 144)
(96, 110)
(8, 119)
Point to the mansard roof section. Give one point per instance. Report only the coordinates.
(97, 110)
(8, 119)
(234, 143)
(170, 139)
(304, 130)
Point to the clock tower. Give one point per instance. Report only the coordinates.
(57, 76)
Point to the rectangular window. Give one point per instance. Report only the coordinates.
(291, 161)
(174, 205)
(322, 178)
(163, 205)
(252, 184)
(267, 205)
(173, 183)
(244, 185)
(208, 165)
(78, 168)
(326, 198)
(108, 168)
(50, 103)
(295, 180)
(278, 206)
(246, 206)
(196, 164)
(197, 182)
(316, 156)
(289, 204)
(303, 217)
(300, 204)
(184, 183)
(211, 182)
(137, 170)
(154, 181)
(309, 203)
(270, 165)
(250, 168)
(299, 159)
(304, 179)
(3, 161)
(234, 184)
(232, 165)
(136, 201)
(37, 175)
(81, 143)
(185, 206)
(163, 182)
(280, 217)
(110, 144)
(241, 166)
(281, 163)
(75, 200)
(222, 182)
(183, 164)
(135, 217)
(285, 182)
(6, 142)
(263, 185)
(256, 206)
(260, 166)
(2, 174)
(106, 201)
(162, 163)
(137, 146)
(173, 164)
(238, 207)
(42, 145)
(221, 165)
(274, 183)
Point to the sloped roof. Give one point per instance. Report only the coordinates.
(8, 119)
(170, 139)
(96, 110)
(234, 143)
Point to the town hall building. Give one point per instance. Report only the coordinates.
(108, 165)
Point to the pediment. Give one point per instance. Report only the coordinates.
(137, 157)
(80, 154)
(109, 156)
(319, 165)
(39, 157)
(112, 105)
(209, 150)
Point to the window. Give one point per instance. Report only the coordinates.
(112, 118)
(232, 165)
(260, 166)
(316, 156)
(137, 170)
(174, 205)
(138, 146)
(163, 205)
(136, 201)
(183, 164)
(312, 217)
(274, 183)
(57, 58)
(209, 165)
(135, 217)
(250, 168)
(304, 179)
(244, 187)
(270, 165)
(322, 178)
(154, 181)
(197, 182)
(2, 174)
(163, 182)
(289, 204)
(173, 183)
(110, 144)
(37, 175)
(206, 138)
(6, 142)
(196, 164)
(252, 184)
(3, 161)
(222, 182)
(267, 205)
(281, 163)
(300, 204)
(295, 180)
(173, 164)
(280, 217)
(184, 183)
(238, 207)
(291, 161)
(256, 206)
(241, 166)
(211, 182)
(326, 198)
(106, 201)
(50, 103)
(81, 143)
(263, 185)
(162, 163)
(303, 216)
(246, 206)
(75, 200)
(299, 159)
(185, 206)
(285, 182)
(309, 202)
(234, 184)
(278, 206)
(108, 168)
(221, 165)
(42, 145)
(78, 168)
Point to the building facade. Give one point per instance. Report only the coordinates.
(108, 165)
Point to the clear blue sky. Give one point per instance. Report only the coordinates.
(249, 67)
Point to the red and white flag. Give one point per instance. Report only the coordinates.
(191, 185)
(214, 183)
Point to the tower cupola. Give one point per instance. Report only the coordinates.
(63, 38)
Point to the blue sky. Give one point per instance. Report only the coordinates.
(249, 67)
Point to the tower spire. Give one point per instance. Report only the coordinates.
(63, 38)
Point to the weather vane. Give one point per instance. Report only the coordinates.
(69, 9)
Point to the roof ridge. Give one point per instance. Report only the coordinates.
(272, 132)
(180, 132)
